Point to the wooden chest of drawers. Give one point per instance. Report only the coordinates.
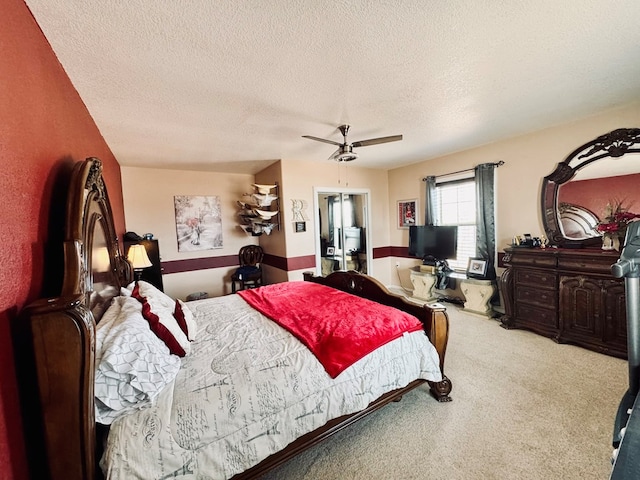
(566, 294)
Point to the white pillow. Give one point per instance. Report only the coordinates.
(153, 293)
(132, 364)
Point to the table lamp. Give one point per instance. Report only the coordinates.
(139, 259)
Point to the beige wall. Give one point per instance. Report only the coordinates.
(527, 158)
(299, 179)
(148, 199)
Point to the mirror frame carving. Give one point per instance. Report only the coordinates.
(613, 144)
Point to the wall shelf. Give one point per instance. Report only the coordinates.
(260, 211)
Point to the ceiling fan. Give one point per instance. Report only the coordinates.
(345, 152)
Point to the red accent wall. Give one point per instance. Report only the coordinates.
(596, 193)
(44, 129)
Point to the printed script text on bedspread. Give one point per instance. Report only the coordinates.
(247, 390)
(339, 328)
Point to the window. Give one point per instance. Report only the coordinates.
(456, 205)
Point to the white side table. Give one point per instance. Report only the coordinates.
(423, 283)
(477, 294)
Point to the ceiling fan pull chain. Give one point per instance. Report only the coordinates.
(344, 166)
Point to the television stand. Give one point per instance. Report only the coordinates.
(423, 282)
(478, 294)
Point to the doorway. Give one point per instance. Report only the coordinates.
(342, 221)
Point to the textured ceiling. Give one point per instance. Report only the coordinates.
(233, 85)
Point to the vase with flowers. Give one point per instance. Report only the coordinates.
(614, 224)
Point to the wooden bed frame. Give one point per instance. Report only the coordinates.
(57, 342)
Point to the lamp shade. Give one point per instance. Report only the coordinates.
(138, 257)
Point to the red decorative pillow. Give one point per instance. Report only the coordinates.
(157, 298)
(163, 323)
(185, 320)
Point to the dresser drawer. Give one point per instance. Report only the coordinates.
(534, 260)
(536, 315)
(598, 265)
(537, 296)
(537, 278)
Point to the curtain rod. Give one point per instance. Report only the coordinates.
(497, 164)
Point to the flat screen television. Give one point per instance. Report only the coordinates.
(435, 242)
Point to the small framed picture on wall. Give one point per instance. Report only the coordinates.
(407, 213)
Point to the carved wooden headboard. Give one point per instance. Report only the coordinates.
(59, 334)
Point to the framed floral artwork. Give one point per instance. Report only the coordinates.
(198, 222)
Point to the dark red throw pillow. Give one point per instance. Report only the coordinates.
(178, 314)
(163, 324)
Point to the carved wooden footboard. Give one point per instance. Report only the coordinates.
(433, 317)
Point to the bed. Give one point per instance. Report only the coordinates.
(62, 337)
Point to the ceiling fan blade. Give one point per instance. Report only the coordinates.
(375, 141)
(321, 140)
(335, 154)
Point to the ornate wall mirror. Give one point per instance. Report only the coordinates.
(574, 197)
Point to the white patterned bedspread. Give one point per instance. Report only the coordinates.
(246, 391)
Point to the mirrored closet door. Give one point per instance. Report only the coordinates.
(342, 220)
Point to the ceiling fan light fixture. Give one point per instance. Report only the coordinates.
(345, 157)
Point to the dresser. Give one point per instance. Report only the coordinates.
(568, 295)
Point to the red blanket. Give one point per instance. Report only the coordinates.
(339, 328)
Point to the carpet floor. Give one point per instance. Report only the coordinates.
(523, 407)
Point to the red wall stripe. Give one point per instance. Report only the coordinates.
(178, 266)
(190, 265)
(276, 261)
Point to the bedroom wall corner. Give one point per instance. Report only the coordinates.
(299, 179)
(45, 128)
(274, 244)
(149, 207)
